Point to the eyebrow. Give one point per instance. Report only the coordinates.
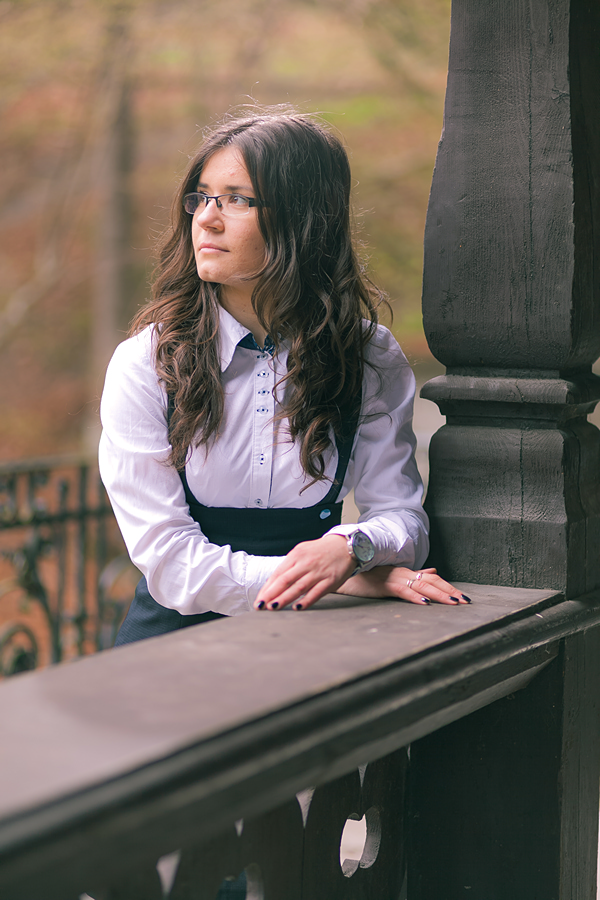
(230, 188)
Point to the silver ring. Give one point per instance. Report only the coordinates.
(410, 582)
(419, 576)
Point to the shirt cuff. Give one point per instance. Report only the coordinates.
(390, 549)
(258, 570)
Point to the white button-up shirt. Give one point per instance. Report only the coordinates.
(252, 463)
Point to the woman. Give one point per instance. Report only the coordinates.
(256, 391)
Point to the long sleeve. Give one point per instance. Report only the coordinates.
(387, 486)
(184, 571)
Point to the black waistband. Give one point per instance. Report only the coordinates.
(264, 532)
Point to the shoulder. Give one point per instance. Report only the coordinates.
(389, 381)
(137, 350)
(133, 359)
(383, 349)
(131, 372)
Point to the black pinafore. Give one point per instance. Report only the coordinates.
(260, 532)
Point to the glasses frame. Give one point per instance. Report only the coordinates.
(252, 201)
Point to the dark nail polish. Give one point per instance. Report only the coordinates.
(468, 599)
(260, 604)
(456, 599)
(275, 605)
(426, 600)
(298, 606)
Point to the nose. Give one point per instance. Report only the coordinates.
(211, 212)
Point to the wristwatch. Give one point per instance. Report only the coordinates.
(360, 548)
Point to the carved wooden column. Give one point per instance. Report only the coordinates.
(505, 801)
(511, 297)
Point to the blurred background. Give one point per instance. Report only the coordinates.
(101, 105)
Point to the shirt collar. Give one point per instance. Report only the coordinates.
(231, 334)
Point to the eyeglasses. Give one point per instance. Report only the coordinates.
(229, 204)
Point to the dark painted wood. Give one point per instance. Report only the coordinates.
(380, 871)
(505, 801)
(512, 272)
(153, 746)
(516, 505)
(511, 297)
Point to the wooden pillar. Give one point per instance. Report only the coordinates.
(505, 802)
(511, 297)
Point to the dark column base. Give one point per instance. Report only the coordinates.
(516, 506)
(504, 803)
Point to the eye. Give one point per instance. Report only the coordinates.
(202, 199)
(193, 202)
(238, 201)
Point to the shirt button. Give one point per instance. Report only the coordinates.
(258, 502)
(262, 374)
(262, 410)
(263, 392)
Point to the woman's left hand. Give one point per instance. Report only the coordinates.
(315, 568)
(421, 587)
(309, 571)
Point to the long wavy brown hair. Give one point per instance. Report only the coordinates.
(312, 292)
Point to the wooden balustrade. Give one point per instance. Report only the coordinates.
(112, 762)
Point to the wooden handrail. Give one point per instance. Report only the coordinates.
(112, 759)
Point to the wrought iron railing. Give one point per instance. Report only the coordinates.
(65, 578)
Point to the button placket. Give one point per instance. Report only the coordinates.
(262, 444)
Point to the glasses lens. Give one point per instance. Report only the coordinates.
(191, 202)
(235, 205)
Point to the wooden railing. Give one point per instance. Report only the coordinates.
(188, 750)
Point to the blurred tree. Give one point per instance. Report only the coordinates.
(110, 182)
(81, 81)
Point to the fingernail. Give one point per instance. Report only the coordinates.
(298, 606)
(260, 604)
(456, 599)
(274, 605)
(426, 600)
(468, 599)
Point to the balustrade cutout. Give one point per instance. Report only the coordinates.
(302, 850)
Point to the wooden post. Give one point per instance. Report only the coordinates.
(511, 297)
(505, 801)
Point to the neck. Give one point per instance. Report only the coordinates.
(240, 307)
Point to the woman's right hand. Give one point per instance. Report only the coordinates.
(422, 587)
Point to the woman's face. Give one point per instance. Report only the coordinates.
(227, 249)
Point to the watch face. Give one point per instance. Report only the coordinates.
(363, 547)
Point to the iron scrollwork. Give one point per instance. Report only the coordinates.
(65, 578)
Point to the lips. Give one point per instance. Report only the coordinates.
(206, 246)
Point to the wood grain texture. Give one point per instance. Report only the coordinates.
(509, 795)
(511, 297)
(511, 268)
(516, 506)
(230, 759)
(154, 745)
